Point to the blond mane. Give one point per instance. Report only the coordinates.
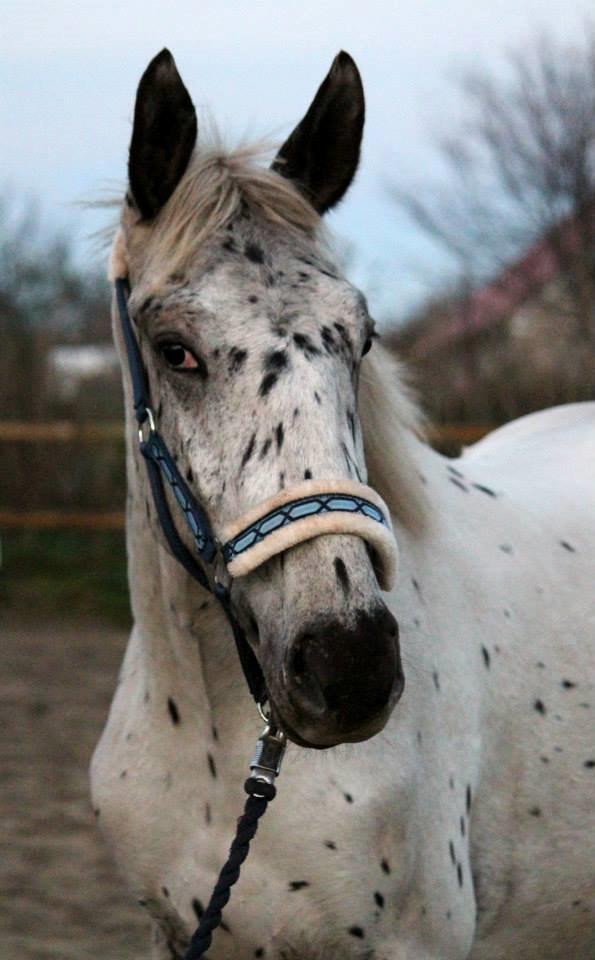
(393, 425)
(215, 188)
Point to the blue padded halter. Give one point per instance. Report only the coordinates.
(311, 506)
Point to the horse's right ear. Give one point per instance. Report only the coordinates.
(163, 135)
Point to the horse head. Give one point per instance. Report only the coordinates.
(253, 342)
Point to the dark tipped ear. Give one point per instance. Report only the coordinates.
(322, 153)
(163, 135)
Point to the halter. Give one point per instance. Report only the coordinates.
(307, 510)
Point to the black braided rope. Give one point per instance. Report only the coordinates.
(211, 918)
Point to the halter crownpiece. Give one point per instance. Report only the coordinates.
(311, 509)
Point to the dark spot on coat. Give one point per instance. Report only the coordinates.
(468, 799)
(348, 797)
(248, 451)
(351, 421)
(567, 546)
(486, 657)
(265, 447)
(275, 360)
(436, 679)
(451, 850)
(568, 684)
(480, 486)
(212, 766)
(173, 711)
(328, 339)
(462, 826)
(539, 705)
(165, 891)
(298, 884)
(267, 384)
(304, 343)
(252, 298)
(189, 475)
(379, 900)
(208, 815)
(506, 548)
(589, 764)
(357, 932)
(460, 874)
(198, 908)
(254, 253)
(236, 359)
(330, 844)
(279, 436)
(229, 245)
(385, 865)
(535, 812)
(317, 397)
(307, 474)
(259, 952)
(459, 484)
(343, 334)
(342, 575)
(215, 733)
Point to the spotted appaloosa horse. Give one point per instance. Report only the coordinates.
(465, 828)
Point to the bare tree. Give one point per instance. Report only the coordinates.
(520, 168)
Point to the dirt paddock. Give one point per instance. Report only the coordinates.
(60, 896)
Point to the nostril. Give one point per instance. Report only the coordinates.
(333, 696)
(298, 664)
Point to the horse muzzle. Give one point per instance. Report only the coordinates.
(340, 682)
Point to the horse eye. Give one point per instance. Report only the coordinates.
(367, 346)
(178, 357)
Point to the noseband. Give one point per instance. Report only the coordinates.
(307, 510)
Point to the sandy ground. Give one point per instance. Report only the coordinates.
(59, 894)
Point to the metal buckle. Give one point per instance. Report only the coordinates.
(149, 420)
(268, 753)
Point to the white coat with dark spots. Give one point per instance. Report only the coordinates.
(452, 820)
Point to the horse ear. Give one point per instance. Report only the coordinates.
(163, 135)
(322, 153)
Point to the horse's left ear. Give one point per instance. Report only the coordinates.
(322, 153)
(163, 135)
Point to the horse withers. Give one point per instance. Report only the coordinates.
(449, 818)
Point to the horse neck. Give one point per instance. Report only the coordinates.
(185, 646)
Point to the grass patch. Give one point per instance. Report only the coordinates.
(70, 572)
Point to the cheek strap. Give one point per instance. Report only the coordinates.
(311, 509)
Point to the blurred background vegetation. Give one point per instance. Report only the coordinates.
(509, 331)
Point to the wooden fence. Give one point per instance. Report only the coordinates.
(62, 431)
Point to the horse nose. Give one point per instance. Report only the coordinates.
(347, 672)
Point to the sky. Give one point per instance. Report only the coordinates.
(69, 72)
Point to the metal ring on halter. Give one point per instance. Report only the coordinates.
(150, 419)
(265, 716)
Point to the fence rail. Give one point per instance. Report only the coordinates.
(63, 431)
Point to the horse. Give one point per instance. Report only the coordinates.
(436, 801)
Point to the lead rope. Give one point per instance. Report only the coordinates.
(270, 746)
(260, 788)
